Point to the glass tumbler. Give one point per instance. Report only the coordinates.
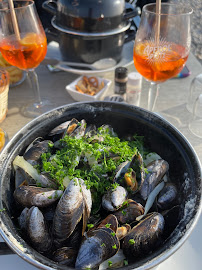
(195, 123)
(194, 91)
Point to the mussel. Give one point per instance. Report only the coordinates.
(65, 256)
(98, 246)
(156, 170)
(129, 211)
(144, 237)
(131, 173)
(75, 203)
(167, 196)
(33, 154)
(114, 198)
(35, 196)
(37, 230)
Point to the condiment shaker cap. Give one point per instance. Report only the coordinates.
(121, 72)
(134, 78)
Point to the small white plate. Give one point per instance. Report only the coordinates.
(127, 59)
(85, 97)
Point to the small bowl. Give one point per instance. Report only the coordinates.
(85, 97)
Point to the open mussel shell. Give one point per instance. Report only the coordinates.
(144, 237)
(33, 154)
(99, 245)
(156, 170)
(129, 211)
(122, 231)
(59, 131)
(21, 177)
(134, 179)
(110, 221)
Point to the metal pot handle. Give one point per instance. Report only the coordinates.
(52, 35)
(131, 14)
(50, 6)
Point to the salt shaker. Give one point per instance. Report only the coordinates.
(134, 85)
(120, 80)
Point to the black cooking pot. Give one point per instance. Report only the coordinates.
(159, 136)
(89, 47)
(90, 30)
(89, 15)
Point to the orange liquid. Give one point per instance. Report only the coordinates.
(26, 53)
(159, 64)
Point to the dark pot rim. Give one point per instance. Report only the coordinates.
(7, 230)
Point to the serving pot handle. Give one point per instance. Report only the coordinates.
(130, 14)
(52, 35)
(50, 6)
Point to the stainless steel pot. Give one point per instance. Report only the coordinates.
(160, 136)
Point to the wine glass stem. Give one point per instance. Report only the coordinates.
(152, 96)
(33, 78)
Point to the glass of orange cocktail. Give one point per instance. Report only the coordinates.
(23, 44)
(162, 44)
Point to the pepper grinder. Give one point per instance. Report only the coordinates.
(120, 81)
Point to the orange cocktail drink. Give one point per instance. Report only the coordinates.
(26, 53)
(159, 63)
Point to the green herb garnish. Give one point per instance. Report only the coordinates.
(114, 246)
(109, 263)
(93, 160)
(125, 262)
(90, 226)
(131, 241)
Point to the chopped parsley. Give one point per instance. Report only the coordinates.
(90, 226)
(109, 263)
(114, 246)
(95, 161)
(131, 241)
(125, 262)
